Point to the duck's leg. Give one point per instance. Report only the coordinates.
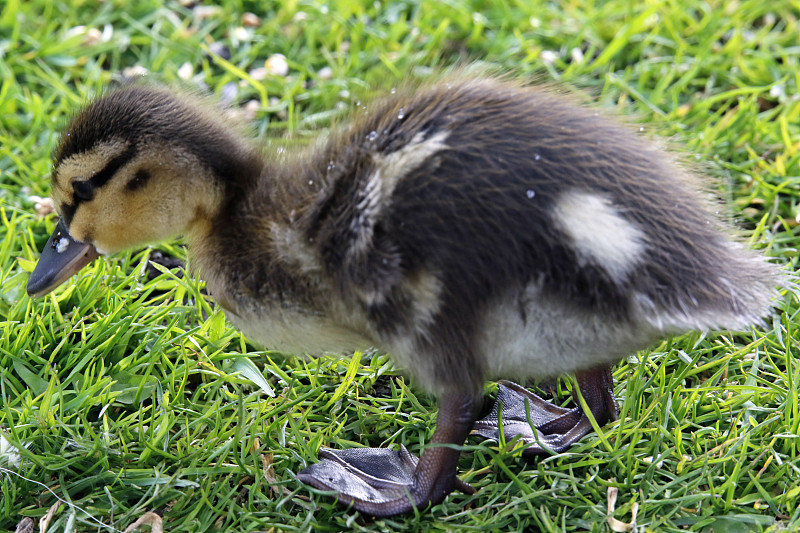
(554, 428)
(383, 482)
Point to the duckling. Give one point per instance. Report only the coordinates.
(475, 228)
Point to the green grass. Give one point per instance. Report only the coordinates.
(122, 398)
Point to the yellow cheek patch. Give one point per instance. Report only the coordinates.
(124, 214)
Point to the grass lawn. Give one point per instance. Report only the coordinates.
(118, 397)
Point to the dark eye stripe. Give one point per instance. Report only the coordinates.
(102, 177)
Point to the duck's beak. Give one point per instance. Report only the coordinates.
(62, 257)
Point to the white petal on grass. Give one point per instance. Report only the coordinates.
(9, 454)
(548, 57)
(277, 64)
(241, 34)
(185, 71)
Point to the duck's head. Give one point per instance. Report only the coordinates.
(137, 166)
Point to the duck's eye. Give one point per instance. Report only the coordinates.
(83, 190)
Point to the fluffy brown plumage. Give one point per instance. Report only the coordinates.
(474, 228)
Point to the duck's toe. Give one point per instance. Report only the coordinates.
(377, 481)
(540, 425)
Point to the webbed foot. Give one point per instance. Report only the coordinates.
(377, 481)
(542, 426)
(384, 482)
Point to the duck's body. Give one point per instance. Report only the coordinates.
(542, 238)
(475, 229)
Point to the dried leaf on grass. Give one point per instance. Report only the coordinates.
(25, 525)
(147, 519)
(269, 474)
(44, 522)
(613, 523)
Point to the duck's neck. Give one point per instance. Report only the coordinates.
(235, 250)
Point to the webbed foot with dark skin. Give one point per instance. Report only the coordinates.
(556, 428)
(384, 482)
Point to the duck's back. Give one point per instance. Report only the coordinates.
(458, 199)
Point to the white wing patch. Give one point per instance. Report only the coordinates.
(599, 233)
(393, 166)
(389, 170)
